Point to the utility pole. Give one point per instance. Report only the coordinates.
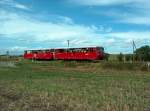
(68, 47)
(134, 48)
(7, 54)
(68, 43)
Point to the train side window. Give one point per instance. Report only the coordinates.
(87, 50)
(60, 50)
(47, 51)
(91, 50)
(56, 50)
(28, 52)
(52, 50)
(35, 52)
(44, 51)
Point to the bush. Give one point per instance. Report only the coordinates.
(128, 57)
(144, 67)
(143, 53)
(106, 57)
(120, 57)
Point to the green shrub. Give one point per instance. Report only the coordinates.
(120, 57)
(144, 67)
(128, 57)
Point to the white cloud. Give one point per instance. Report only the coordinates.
(135, 17)
(108, 2)
(13, 50)
(137, 20)
(28, 29)
(110, 41)
(124, 39)
(17, 48)
(20, 6)
(135, 12)
(14, 4)
(14, 25)
(134, 35)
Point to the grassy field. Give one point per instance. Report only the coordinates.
(73, 86)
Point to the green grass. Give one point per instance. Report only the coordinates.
(72, 86)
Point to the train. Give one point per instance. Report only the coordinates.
(84, 53)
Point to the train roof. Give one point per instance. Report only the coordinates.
(65, 48)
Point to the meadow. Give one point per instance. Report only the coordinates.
(73, 86)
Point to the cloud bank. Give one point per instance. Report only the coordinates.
(18, 27)
(135, 11)
(28, 32)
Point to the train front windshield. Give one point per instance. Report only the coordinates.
(101, 49)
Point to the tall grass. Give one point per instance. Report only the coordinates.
(72, 86)
(139, 66)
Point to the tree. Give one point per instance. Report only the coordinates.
(143, 53)
(120, 57)
(128, 57)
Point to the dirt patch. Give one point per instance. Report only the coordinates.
(7, 64)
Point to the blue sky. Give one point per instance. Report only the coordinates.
(39, 24)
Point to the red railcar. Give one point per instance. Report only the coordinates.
(38, 54)
(87, 53)
(90, 53)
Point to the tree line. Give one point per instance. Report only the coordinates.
(140, 54)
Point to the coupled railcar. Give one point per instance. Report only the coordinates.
(87, 53)
(38, 54)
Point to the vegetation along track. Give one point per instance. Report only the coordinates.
(72, 86)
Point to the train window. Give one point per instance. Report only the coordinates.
(76, 50)
(80, 50)
(73, 50)
(52, 50)
(47, 51)
(43, 51)
(90, 49)
(85, 50)
(37, 51)
(61, 50)
(69, 50)
(55, 50)
(34, 51)
(28, 52)
(102, 49)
